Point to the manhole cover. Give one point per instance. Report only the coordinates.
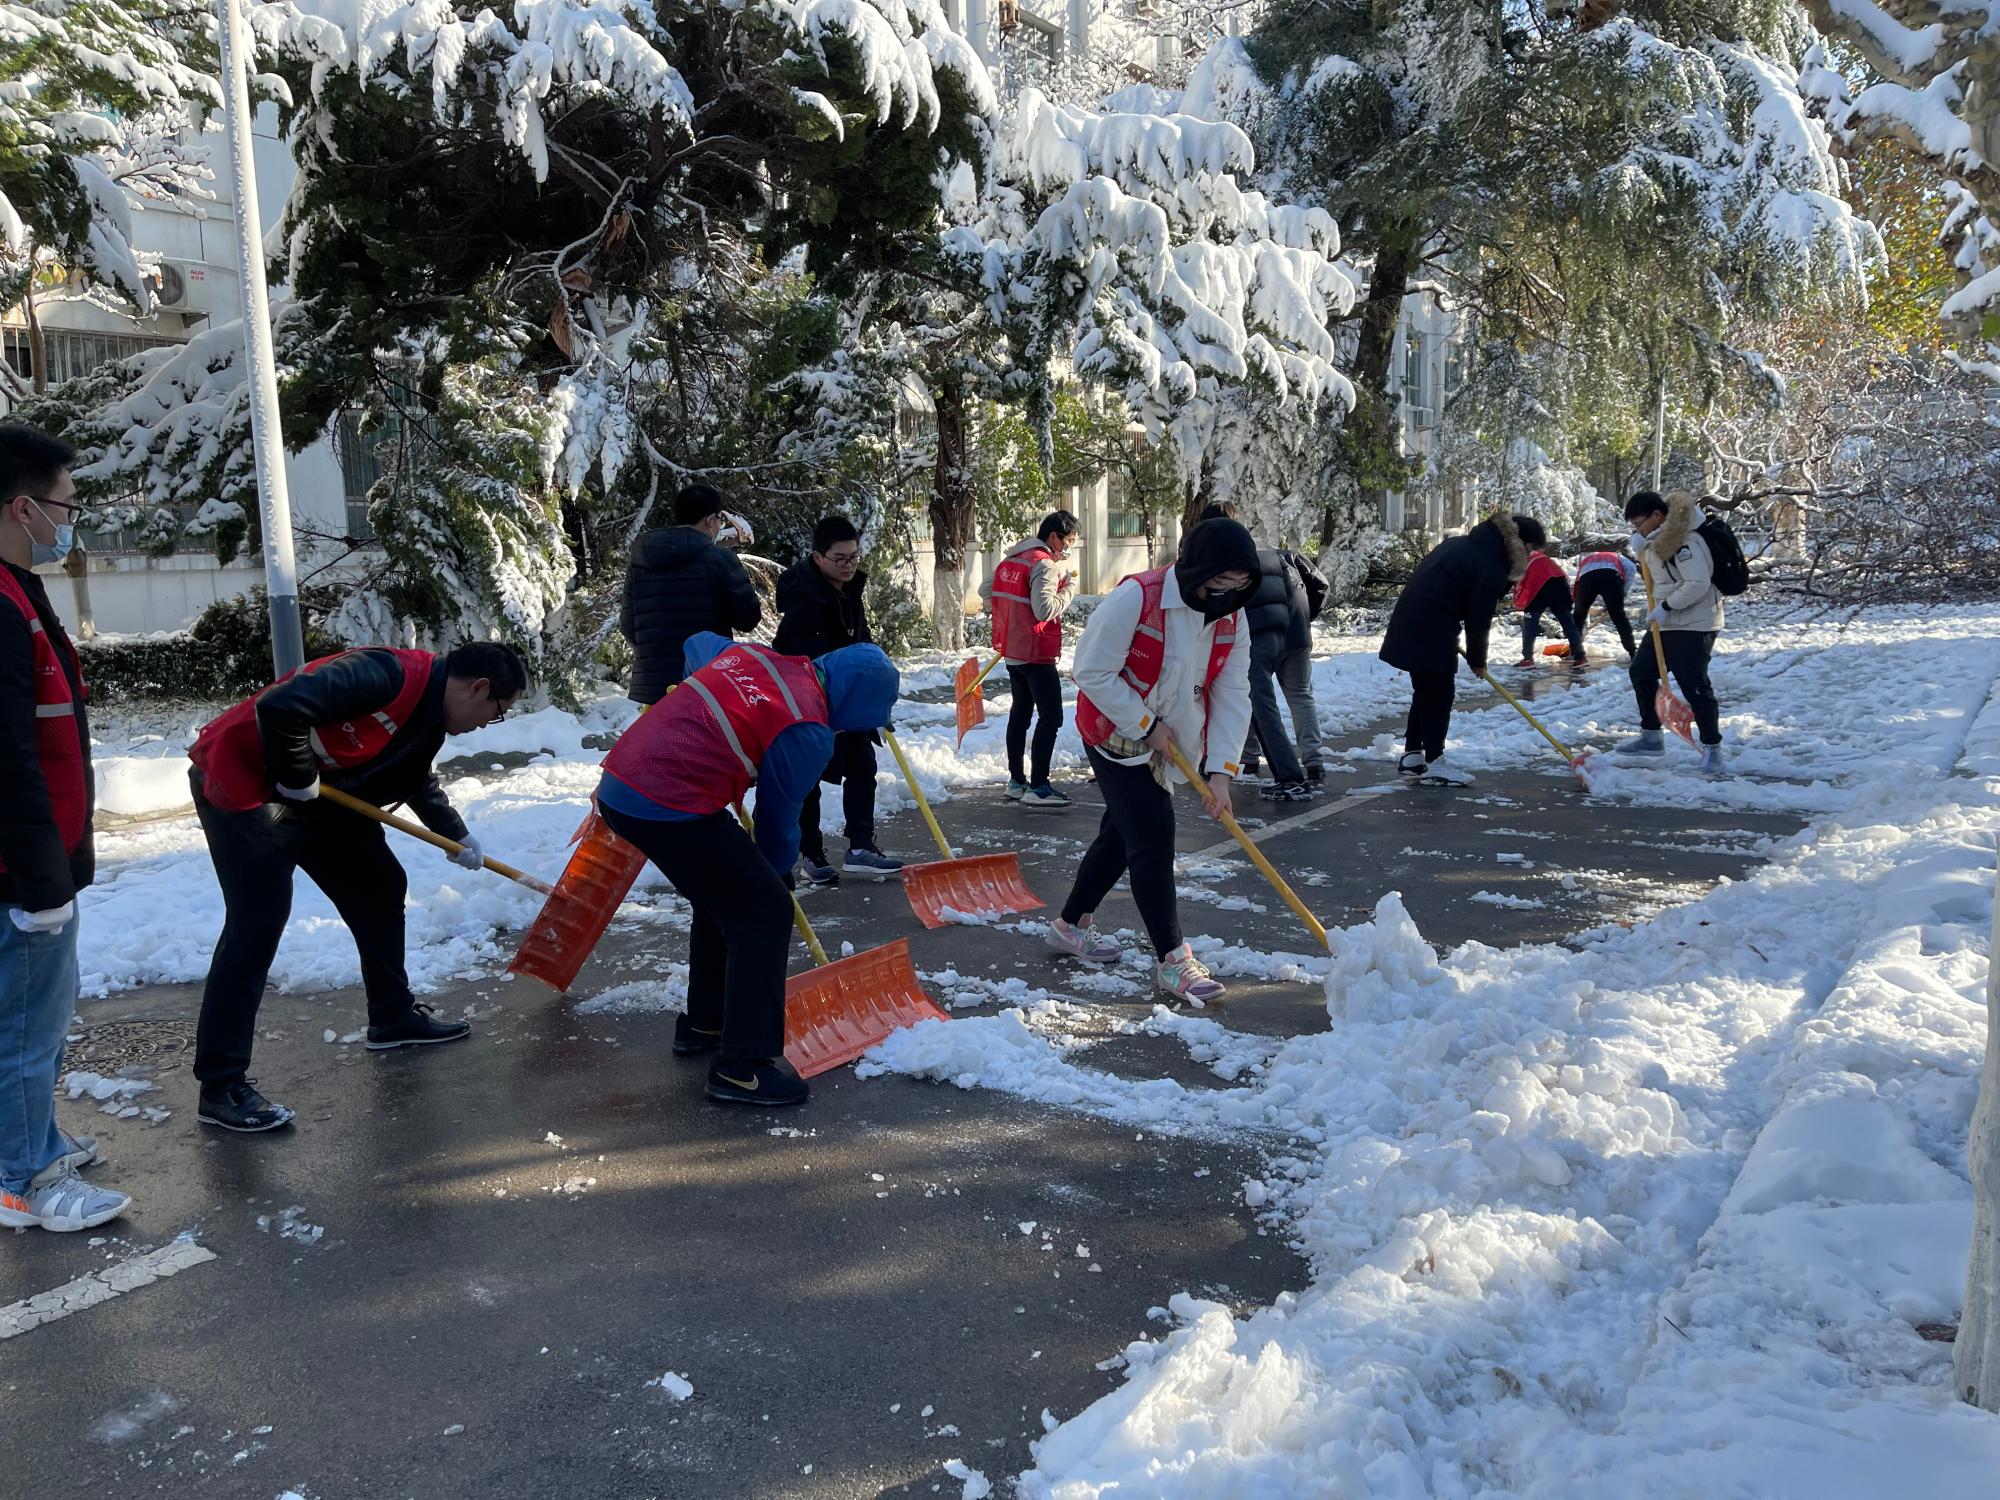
(121, 1044)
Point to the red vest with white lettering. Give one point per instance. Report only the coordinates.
(1148, 658)
(699, 750)
(1017, 634)
(58, 748)
(229, 751)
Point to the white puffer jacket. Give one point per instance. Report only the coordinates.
(1683, 571)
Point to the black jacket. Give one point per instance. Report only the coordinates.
(40, 875)
(678, 584)
(359, 684)
(1459, 583)
(1280, 612)
(814, 617)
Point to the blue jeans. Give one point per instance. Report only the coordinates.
(37, 999)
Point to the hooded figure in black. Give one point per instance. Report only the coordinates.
(1144, 684)
(1456, 587)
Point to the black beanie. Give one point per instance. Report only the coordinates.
(1212, 548)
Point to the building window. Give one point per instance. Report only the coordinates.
(1421, 414)
(71, 352)
(1122, 515)
(1030, 53)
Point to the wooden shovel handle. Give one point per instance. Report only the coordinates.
(1653, 625)
(339, 798)
(798, 912)
(1256, 855)
(984, 672)
(923, 803)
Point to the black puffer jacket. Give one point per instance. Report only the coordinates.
(814, 617)
(1459, 583)
(1279, 611)
(678, 584)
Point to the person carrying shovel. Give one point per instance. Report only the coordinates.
(744, 715)
(368, 723)
(1686, 618)
(1163, 664)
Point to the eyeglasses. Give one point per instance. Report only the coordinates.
(842, 559)
(69, 508)
(502, 706)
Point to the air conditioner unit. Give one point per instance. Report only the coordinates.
(184, 288)
(1147, 10)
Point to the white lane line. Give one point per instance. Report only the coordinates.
(1288, 825)
(101, 1286)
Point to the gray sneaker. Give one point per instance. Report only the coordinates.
(60, 1200)
(1646, 742)
(871, 864)
(79, 1151)
(1044, 797)
(1711, 761)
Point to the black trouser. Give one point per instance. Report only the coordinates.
(1430, 714)
(1607, 584)
(1687, 652)
(741, 936)
(255, 852)
(1136, 838)
(1037, 696)
(854, 763)
(1553, 598)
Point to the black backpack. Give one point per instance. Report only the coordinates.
(1731, 573)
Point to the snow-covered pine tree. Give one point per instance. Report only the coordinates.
(96, 98)
(1935, 89)
(1621, 184)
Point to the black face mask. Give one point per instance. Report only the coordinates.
(1217, 605)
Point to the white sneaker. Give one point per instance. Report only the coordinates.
(1412, 764)
(1445, 775)
(79, 1151)
(1080, 942)
(60, 1200)
(1186, 977)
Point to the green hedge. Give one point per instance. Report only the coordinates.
(225, 654)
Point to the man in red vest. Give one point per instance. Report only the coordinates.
(744, 715)
(45, 850)
(1030, 592)
(1165, 660)
(369, 722)
(1545, 589)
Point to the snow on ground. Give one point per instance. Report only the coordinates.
(1673, 1205)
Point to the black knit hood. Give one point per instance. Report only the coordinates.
(1212, 548)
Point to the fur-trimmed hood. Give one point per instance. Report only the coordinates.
(1683, 516)
(1510, 537)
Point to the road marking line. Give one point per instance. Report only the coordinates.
(101, 1286)
(1288, 825)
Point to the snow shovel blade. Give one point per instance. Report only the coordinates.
(600, 871)
(836, 1012)
(983, 885)
(971, 697)
(1558, 648)
(1673, 713)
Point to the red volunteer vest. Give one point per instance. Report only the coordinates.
(699, 750)
(1541, 568)
(58, 747)
(1148, 658)
(229, 751)
(1016, 632)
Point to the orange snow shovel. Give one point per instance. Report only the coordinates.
(1257, 858)
(843, 1007)
(981, 884)
(1575, 760)
(593, 884)
(1673, 713)
(971, 700)
(418, 831)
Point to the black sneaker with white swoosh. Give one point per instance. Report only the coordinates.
(770, 1085)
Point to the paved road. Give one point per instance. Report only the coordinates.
(419, 1292)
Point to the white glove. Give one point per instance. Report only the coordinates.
(470, 856)
(300, 793)
(55, 919)
(1658, 616)
(1637, 542)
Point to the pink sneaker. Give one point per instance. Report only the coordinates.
(1186, 977)
(1080, 942)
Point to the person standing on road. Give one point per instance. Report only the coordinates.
(369, 722)
(1606, 576)
(1544, 589)
(747, 716)
(1280, 615)
(680, 582)
(1164, 662)
(46, 855)
(1456, 587)
(820, 609)
(1029, 594)
(1687, 612)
